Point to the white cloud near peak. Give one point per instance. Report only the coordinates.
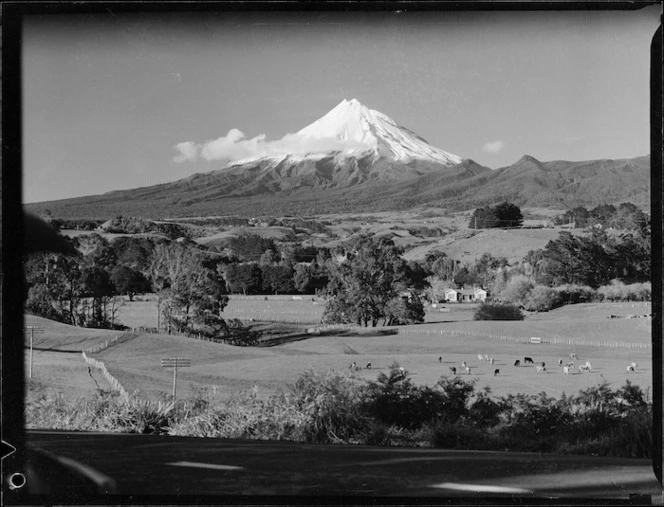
(235, 146)
(493, 146)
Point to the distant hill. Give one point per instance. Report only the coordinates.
(528, 182)
(355, 159)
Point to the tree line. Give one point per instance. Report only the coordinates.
(366, 280)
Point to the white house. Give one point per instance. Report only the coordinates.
(465, 295)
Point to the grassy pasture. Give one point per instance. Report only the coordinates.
(225, 369)
(417, 348)
(57, 360)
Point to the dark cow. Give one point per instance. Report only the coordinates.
(368, 367)
(453, 370)
(496, 373)
(517, 363)
(527, 360)
(440, 359)
(543, 364)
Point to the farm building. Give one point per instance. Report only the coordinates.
(465, 295)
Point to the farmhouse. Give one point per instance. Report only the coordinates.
(465, 295)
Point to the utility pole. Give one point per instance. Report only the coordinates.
(175, 363)
(33, 330)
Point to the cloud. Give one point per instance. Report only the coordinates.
(187, 151)
(493, 146)
(235, 146)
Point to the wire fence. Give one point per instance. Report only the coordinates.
(113, 382)
(522, 339)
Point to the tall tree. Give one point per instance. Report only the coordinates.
(363, 285)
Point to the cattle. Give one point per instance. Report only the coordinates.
(573, 356)
(368, 366)
(541, 369)
(543, 364)
(496, 372)
(402, 370)
(486, 358)
(589, 365)
(467, 370)
(584, 367)
(353, 365)
(440, 359)
(630, 369)
(560, 362)
(463, 364)
(570, 365)
(527, 360)
(517, 363)
(566, 370)
(453, 370)
(479, 356)
(491, 361)
(634, 365)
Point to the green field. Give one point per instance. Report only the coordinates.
(226, 369)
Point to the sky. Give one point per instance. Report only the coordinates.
(118, 101)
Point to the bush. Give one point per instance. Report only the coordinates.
(395, 400)
(572, 294)
(517, 289)
(619, 291)
(543, 299)
(498, 311)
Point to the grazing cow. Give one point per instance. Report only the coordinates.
(463, 364)
(630, 369)
(453, 369)
(517, 363)
(566, 370)
(440, 359)
(543, 364)
(560, 362)
(467, 370)
(486, 358)
(573, 356)
(353, 365)
(491, 361)
(570, 365)
(589, 365)
(402, 369)
(584, 367)
(527, 360)
(479, 356)
(634, 365)
(496, 372)
(368, 366)
(541, 369)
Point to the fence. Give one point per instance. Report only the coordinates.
(115, 384)
(516, 339)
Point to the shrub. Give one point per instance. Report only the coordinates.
(395, 400)
(517, 289)
(498, 311)
(619, 291)
(572, 294)
(543, 299)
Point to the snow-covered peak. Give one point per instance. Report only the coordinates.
(352, 130)
(372, 130)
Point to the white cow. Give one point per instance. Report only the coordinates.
(479, 356)
(566, 370)
(541, 369)
(463, 364)
(584, 367)
(467, 370)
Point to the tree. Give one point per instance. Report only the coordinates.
(483, 218)
(277, 279)
(191, 291)
(243, 278)
(363, 285)
(128, 281)
(508, 215)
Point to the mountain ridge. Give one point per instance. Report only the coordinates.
(359, 160)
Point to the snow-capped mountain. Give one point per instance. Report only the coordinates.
(350, 145)
(374, 132)
(353, 130)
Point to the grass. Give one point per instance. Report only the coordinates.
(330, 407)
